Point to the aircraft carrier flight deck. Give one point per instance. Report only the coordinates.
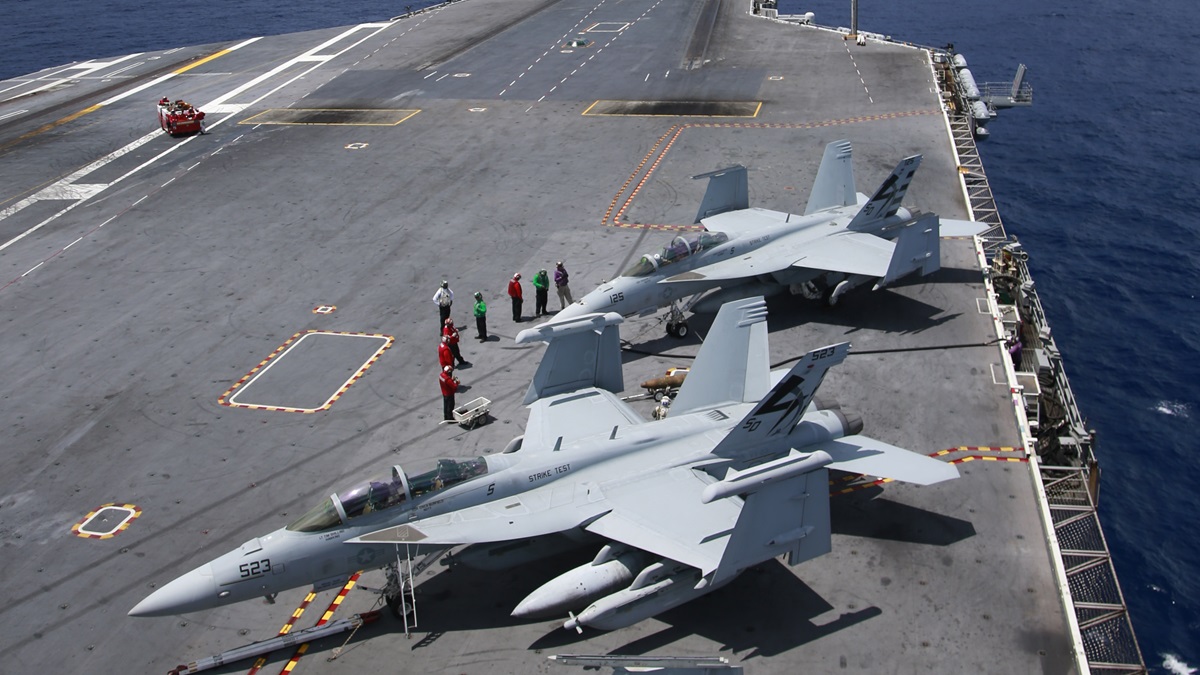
(154, 289)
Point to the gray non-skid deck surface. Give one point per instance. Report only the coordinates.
(196, 266)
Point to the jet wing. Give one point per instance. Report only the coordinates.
(564, 417)
(848, 252)
(962, 228)
(668, 516)
(744, 222)
(660, 513)
(664, 514)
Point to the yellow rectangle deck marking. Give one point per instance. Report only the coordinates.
(674, 108)
(307, 373)
(331, 117)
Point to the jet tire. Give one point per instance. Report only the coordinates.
(393, 603)
(681, 330)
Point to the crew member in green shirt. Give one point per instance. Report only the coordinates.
(481, 316)
(541, 288)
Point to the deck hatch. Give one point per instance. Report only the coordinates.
(331, 116)
(676, 108)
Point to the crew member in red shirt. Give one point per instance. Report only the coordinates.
(514, 292)
(451, 332)
(445, 357)
(449, 385)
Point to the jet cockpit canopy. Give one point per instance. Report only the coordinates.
(383, 492)
(680, 247)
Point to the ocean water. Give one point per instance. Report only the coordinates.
(1098, 180)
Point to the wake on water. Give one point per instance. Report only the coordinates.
(1174, 409)
(1172, 663)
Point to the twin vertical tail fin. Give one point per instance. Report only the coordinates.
(734, 364)
(887, 198)
(728, 190)
(779, 411)
(834, 185)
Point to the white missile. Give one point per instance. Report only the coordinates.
(612, 568)
(629, 606)
(758, 477)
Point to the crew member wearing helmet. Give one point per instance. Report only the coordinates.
(449, 331)
(663, 407)
(443, 298)
(541, 291)
(449, 385)
(445, 356)
(480, 316)
(514, 292)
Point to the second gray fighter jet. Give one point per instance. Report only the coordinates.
(844, 239)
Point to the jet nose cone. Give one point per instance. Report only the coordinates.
(190, 592)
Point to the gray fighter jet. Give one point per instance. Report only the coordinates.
(844, 239)
(736, 474)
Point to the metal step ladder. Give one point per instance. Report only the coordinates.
(266, 646)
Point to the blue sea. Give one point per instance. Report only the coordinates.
(1097, 180)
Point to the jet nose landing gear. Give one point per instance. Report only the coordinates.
(677, 326)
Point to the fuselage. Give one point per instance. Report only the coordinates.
(290, 557)
(759, 247)
(303, 553)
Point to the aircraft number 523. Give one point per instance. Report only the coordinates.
(253, 569)
(823, 353)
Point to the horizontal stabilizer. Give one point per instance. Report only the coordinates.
(834, 186)
(917, 249)
(584, 351)
(962, 228)
(861, 454)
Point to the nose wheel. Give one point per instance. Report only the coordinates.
(677, 330)
(677, 326)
